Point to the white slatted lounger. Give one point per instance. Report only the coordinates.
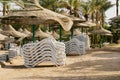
(45, 50)
(84, 38)
(3, 57)
(14, 51)
(75, 47)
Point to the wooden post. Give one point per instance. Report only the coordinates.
(33, 31)
(72, 32)
(60, 33)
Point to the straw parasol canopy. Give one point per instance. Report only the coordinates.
(116, 19)
(77, 32)
(48, 32)
(35, 14)
(107, 34)
(101, 31)
(20, 30)
(90, 23)
(86, 24)
(10, 31)
(75, 19)
(1, 30)
(3, 37)
(55, 35)
(39, 33)
(28, 33)
(117, 29)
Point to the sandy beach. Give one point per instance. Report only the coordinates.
(97, 64)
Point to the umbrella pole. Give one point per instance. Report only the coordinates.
(60, 33)
(72, 33)
(49, 28)
(82, 30)
(33, 31)
(87, 31)
(100, 41)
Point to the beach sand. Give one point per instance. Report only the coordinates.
(97, 64)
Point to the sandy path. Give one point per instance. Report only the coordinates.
(98, 64)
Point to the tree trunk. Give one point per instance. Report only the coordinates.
(117, 5)
(97, 19)
(97, 26)
(92, 17)
(4, 9)
(86, 17)
(102, 18)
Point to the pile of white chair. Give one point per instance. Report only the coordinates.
(3, 57)
(14, 51)
(84, 38)
(46, 50)
(74, 47)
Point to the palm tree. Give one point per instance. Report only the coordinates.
(86, 9)
(50, 4)
(96, 8)
(5, 6)
(117, 5)
(105, 6)
(72, 5)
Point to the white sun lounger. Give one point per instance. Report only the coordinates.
(84, 38)
(46, 50)
(74, 47)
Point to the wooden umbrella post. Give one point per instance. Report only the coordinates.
(82, 30)
(72, 32)
(100, 41)
(60, 33)
(33, 31)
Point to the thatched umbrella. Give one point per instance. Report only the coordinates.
(76, 20)
(116, 19)
(39, 33)
(48, 32)
(86, 24)
(10, 31)
(20, 30)
(77, 31)
(107, 34)
(118, 29)
(55, 35)
(101, 31)
(3, 37)
(1, 30)
(35, 14)
(28, 33)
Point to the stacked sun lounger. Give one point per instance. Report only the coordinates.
(46, 50)
(74, 47)
(84, 38)
(3, 57)
(14, 51)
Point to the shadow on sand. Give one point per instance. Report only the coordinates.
(117, 77)
(23, 67)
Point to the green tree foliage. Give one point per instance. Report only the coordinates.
(50, 4)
